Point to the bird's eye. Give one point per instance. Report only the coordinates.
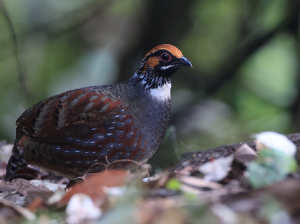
(165, 57)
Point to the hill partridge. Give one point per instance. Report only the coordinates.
(70, 132)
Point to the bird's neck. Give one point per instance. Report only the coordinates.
(159, 87)
(150, 80)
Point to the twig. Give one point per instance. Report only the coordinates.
(117, 161)
(21, 69)
(94, 164)
(132, 161)
(189, 147)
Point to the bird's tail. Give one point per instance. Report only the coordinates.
(15, 163)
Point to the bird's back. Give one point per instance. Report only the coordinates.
(69, 132)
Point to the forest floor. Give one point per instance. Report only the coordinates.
(212, 186)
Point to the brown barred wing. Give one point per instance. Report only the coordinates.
(71, 131)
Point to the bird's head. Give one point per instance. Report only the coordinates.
(159, 64)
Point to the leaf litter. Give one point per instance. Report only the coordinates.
(223, 185)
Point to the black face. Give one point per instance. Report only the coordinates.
(157, 68)
(168, 63)
(163, 63)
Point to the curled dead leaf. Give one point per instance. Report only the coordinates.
(93, 185)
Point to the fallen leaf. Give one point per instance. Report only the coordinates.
(198, 182)
(93, 185)
(50, 186)
(81, 208)
(217, 169)
(276, 141)
(31, 197)
(21, 186)
(17, 199)
(36, 204)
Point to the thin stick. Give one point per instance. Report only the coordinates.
(94, 164)
(22, 71)
(129, 160)
(117, 161)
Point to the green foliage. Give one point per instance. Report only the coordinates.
(173, 184)
(270, 166)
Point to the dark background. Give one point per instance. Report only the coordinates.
(245, 55)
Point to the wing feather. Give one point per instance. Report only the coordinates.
(71, 114)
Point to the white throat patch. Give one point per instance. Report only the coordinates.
(162, 93)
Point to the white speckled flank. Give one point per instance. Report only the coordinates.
(161, 93)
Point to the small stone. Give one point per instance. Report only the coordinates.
(245, 154)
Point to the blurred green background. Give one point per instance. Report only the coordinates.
(245, 55)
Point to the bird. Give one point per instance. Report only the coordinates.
(68, 133)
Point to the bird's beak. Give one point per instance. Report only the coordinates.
(184, 62)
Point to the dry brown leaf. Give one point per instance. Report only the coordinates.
(32, 196)
(36, 204)
(21, 186)
(93, 185)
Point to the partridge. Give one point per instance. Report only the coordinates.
(70, 132)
